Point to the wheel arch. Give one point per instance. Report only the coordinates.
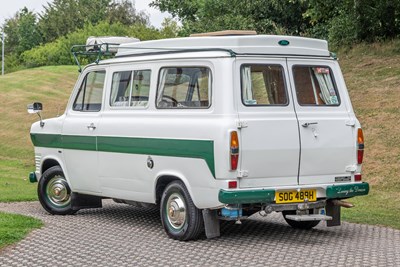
(163, 180)
(52, 161)
(48, 163)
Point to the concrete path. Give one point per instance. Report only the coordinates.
(121, 235)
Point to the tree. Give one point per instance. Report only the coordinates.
(169, 28)
(10, 28)
(125, 13)
(272, 16)
(61, 17)
(28, 34)
(22, 32)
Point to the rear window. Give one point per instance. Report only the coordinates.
(315, 86)
(184, 87)
(263, 85)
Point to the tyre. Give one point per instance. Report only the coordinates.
(306, 225)
(54, 192)
(179, 216)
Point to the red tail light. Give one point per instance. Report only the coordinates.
(232, 184)
(234, 150)
(360, 146)
(357, 177)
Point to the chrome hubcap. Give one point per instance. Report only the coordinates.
(176, 211)
(57, 191)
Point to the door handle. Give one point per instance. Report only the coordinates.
(306, 124)
(91, 127)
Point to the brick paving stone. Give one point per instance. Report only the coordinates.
(122, 235)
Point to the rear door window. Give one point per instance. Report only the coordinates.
(184, 87)
(315, 86)
(263, 85)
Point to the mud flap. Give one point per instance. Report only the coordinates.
(211, 223)
(81, 201)
(333, 211)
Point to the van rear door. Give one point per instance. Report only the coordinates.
(269, 136)
(327, 133)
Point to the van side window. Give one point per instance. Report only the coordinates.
(315, 86)
(130, 88)
(90, 94)
(263, 85)
(184, 87)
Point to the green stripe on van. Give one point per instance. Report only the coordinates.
(202, 149)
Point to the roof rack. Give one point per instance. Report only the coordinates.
(98, 47)
(96, 51)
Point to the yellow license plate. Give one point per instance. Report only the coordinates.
(295, 196)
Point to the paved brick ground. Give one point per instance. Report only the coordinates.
(121, 235)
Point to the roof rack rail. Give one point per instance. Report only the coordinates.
(170, 50)
(99, 46)
(96, 51)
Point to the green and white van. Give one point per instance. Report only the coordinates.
(207, 128)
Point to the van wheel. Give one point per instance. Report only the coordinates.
(179, 216)
(54, 192)
(307, 225)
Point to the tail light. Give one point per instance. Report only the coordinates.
(234, 150)
(360, 146)
(357, 177)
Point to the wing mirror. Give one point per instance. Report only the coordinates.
(36, 108)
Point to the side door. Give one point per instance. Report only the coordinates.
(327, 135)
(79, 135)
(269, 135)
(123, 171)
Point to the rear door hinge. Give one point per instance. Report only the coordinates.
(243, 173)
(241, 124)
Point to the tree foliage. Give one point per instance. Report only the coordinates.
(343, 22)
(58, 52)
(58, 27)
(263, 16)
(21, 31)
(124, 12)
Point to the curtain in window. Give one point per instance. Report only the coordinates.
(161, 86)
(247, 89)
(328, 93)
(115, 87)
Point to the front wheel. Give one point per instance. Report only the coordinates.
(54, 192)
(179, 216)
(305, 225)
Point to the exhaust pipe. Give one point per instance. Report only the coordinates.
(342, 203)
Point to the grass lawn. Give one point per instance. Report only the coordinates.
(51, 86)
(14, 227)
(372, 74)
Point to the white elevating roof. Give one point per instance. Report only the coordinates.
(239, 44)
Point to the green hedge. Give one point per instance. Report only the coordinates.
(58, 52)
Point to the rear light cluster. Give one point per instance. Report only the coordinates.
(360, 146)
(234, 150)
(360, 152)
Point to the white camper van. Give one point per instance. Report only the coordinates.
(207, 128)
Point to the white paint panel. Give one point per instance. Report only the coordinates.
(269, 145)
(327, 145)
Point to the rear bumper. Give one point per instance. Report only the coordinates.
(268, 195)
